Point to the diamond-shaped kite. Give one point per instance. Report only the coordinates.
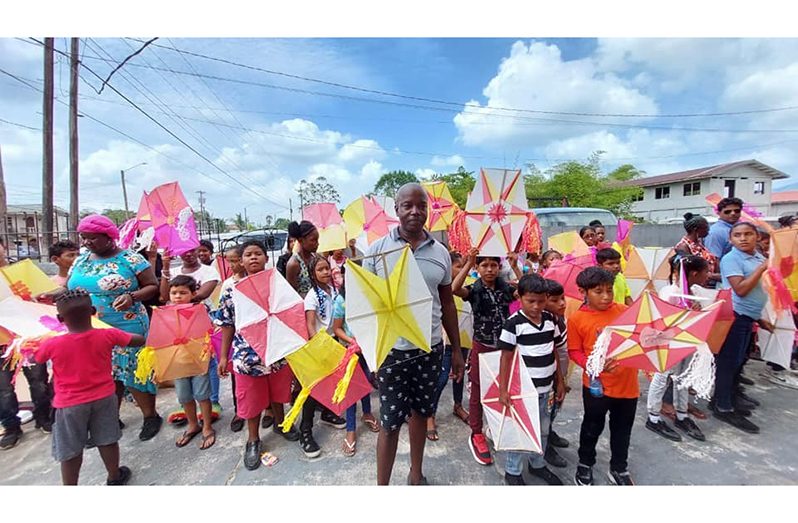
(380, 311)
(496, 211)
(776, 347)
(516, 428)
(270, 315)
(24, 280)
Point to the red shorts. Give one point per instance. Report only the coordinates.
(255, 393)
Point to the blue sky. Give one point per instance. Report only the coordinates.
(269, 138)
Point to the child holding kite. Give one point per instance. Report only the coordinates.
(610, 260)
(257, 385)
(555, 304)
(619, 384)
(490, 298)
(194, 389)
(233, 257)
(534, 332)
(85, 393)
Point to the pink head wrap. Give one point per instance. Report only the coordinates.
(98, 224)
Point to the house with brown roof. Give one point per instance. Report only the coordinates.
(670, 196)
(783, 203)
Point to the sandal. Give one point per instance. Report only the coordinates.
(349, 449)
(371, 423)
(204, 445)
(460, 412)
(186, 438)
(432, 435)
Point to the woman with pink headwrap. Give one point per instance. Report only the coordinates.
(118, 281)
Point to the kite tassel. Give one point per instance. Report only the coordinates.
(343, 384)
(531, 240)
(145, 368)
(700, 373)
(782, 294)
(459, 237)
(598, 358)
(293, 414)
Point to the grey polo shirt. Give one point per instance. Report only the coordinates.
(436, 267)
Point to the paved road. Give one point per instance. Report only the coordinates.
(729, 457)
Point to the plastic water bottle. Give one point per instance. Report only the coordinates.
(596, 388)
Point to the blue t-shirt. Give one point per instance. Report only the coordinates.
(738, 263)
(717, 241)
(339, 311)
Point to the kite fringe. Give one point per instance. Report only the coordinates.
(782, 297)
(700, 373)
(531, 240)
(145, 366)
(598, 357)
(459, 237)
(293, 414)
(343, 384)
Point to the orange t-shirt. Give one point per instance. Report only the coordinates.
(584, 326)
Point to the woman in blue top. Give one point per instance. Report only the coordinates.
(741, 269)
(118, 281)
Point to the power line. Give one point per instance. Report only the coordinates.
(460, 104)
(168, 131)
(20, 125)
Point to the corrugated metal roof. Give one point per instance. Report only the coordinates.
(702, 173)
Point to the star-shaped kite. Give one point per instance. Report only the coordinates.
(327, 219)
(380, 311)
(270, 315)
(516, 428)
(441, 208)
(496, 211)
(648, 268)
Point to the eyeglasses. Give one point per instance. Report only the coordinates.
(732, 211)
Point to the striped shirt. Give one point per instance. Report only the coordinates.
(536, 344)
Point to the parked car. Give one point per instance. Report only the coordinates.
(573, 216)
(273, 239)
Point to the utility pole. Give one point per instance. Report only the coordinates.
(3, 207)
(246, 222)
(73, 137)
(290, 209)
(47, 145)
(124, 194)
(202, 208)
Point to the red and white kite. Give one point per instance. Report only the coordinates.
(496, 211)
(270, 315)
(517, 428)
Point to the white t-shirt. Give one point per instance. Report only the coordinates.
(312, 304)
(203, 274)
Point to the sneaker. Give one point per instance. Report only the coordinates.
(45, 426)
(513, 480)
(545, 474)
(690, 428)
(479, 449)
(554, 459)
(308, 444)
(236, 424)
(25, 416)
(623, 479)
(252, 455)
(150, 427)
(736, 420)
(557, 440)
(10, 438)
(745, 380)
(267, 421)
(584, 475)
(331, 419)
(291, 435)
(742, 403)
(124, 477)
(785, 379)
(663, 429)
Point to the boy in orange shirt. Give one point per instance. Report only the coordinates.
(619, 384)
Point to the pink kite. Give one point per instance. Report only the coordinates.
(270, 315)
(367, 221)
(325, 216)
(172, 219)
(496, 211)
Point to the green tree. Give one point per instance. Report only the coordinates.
(390, 182)
(239, 222)
(118, 216)
(460, 183)
(317, 191)
(281, 223)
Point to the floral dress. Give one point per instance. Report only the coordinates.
(105, 280)
(305, 282)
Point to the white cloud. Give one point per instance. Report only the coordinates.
(537, 77)
(372, 171)
(770, 88)
(449, 161)
(425, 173)
(359, 150)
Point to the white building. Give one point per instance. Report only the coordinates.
(24, 228)
(672, 195)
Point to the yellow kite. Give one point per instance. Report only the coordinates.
(380, 311)
(25, 280)
(441, 208)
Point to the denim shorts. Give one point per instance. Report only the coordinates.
(73, 426)
(408, 381)
(195, 388)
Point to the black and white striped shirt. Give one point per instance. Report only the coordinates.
(536, 344)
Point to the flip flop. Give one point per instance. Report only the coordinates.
(371, 423)
(432, 435)
(186, 438)
(204, 445)
(349, 449)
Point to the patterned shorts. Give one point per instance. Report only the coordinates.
(407, 381)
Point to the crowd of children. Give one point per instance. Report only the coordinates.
(515, 310)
